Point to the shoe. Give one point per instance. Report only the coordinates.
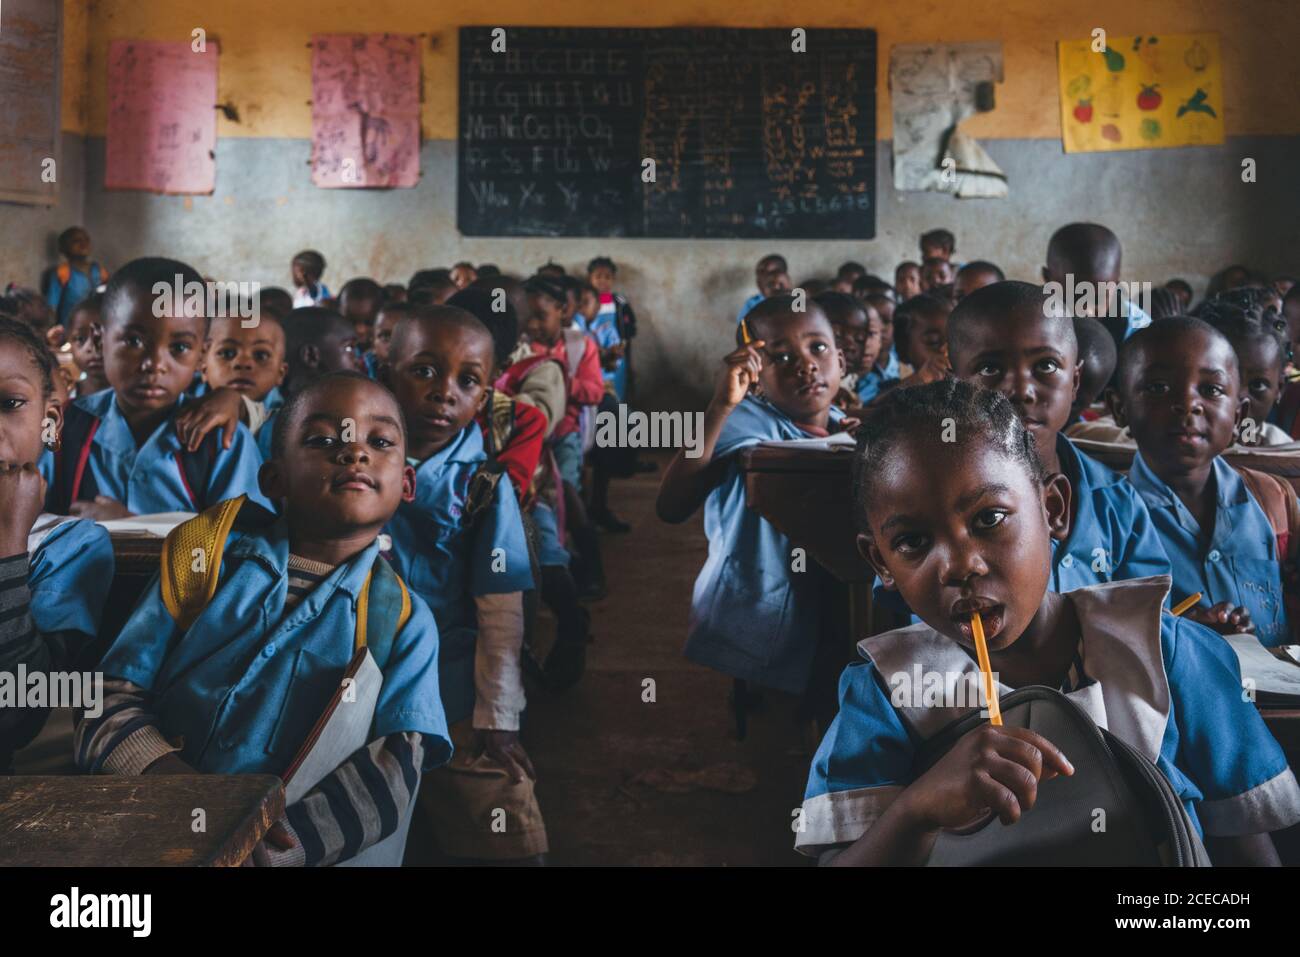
(609, 522)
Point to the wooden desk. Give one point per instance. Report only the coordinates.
(145, 821)
(1285, 465)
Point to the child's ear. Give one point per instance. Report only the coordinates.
(1115, 403)
(868, 550)
(844, 365)
(1243, 406)
(54, 416)
(309, 355)
(284, 371)
(271, 481)
(1057, 495)
(1078, 377)
(408, 484)
(1047, 276)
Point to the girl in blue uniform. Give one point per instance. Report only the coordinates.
(1003, 337)
(1180, 395)
(53, 581)
(964, 527)
(756, 614)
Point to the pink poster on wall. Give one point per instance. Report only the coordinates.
(365, 112)
(162, 123)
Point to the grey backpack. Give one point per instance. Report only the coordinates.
(1117, 809)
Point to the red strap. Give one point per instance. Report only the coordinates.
(82, 458)
(180, 467)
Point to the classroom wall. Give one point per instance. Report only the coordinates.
(1180, 212)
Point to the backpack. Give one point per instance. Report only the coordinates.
(73, 482)
(575, 346)
(383, 607)
(1145, 824)
(1277, 499)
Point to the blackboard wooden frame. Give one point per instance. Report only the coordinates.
(750, 138)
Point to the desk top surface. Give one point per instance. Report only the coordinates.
(139, 821)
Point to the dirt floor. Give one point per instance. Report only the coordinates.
(624, 781)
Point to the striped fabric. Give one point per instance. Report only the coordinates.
(1076, 677)
(20, 644)
(304, 575)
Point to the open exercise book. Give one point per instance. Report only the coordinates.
(839, 442)
(1274, 678)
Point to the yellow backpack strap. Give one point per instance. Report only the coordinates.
(186, 590)
(378, 626)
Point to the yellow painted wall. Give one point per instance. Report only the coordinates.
(265, 62)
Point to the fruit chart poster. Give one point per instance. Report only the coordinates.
(1143, 92)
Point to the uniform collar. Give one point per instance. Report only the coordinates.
(467, 447)
(1229, 489)
(1122, 653)
(836, 413)
(103, 406)
(269, 547)
(1084, 471)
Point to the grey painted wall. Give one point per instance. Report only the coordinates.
(29, 234)
(1179, 212)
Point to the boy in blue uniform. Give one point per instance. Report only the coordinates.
(239, 690)
(752, 617)
(962, 528)
(1092, 255)
(1002, 337)
(53, 582)
(1180, 396)
(121, 454)
(460, 544)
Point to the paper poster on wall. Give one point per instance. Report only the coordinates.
(1143, 92)
(365, 111)
(162, 121)
(932, 88)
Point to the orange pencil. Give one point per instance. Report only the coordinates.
(744, 332)
(986, 672)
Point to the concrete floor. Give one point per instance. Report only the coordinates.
(621, 781)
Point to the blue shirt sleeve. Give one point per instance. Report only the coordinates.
(144, 642)
(866, 745)
(54, 291)
(1143, 554)
(235, 472)
(410, 699)
(69, 578)
(499, 554)
(1224, 747)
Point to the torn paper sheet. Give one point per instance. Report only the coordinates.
(932, 87)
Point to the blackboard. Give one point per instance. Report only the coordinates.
(30, 89)
(750, 139)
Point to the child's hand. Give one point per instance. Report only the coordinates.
(991, 768)
(504, 748)
(1225, 618)
(276, 840)
(848, 424)
(102, 509)
(741, 369)
(934, 369)
(219, 409)
(22, 497)
(170, 763)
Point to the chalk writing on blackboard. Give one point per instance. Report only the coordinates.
(748, 139)
(162, 125)
(365, 110)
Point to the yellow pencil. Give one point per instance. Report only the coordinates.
(1185, 604)
(982, 652)
(744, 332)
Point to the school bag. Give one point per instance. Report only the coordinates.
(1278, 500)
(1117, 809)
(74, 482)
(575, 344)
(383, 609)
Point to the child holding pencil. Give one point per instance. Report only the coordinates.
(963, 530)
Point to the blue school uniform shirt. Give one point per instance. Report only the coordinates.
(69, 576)
(1167, 686)
(873, 380)
(448, 565)
(1236, 562)
(1112, 536)
(149, 479)
(752, 617)
(246, 683)
(63, 299)
(1137, 318)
